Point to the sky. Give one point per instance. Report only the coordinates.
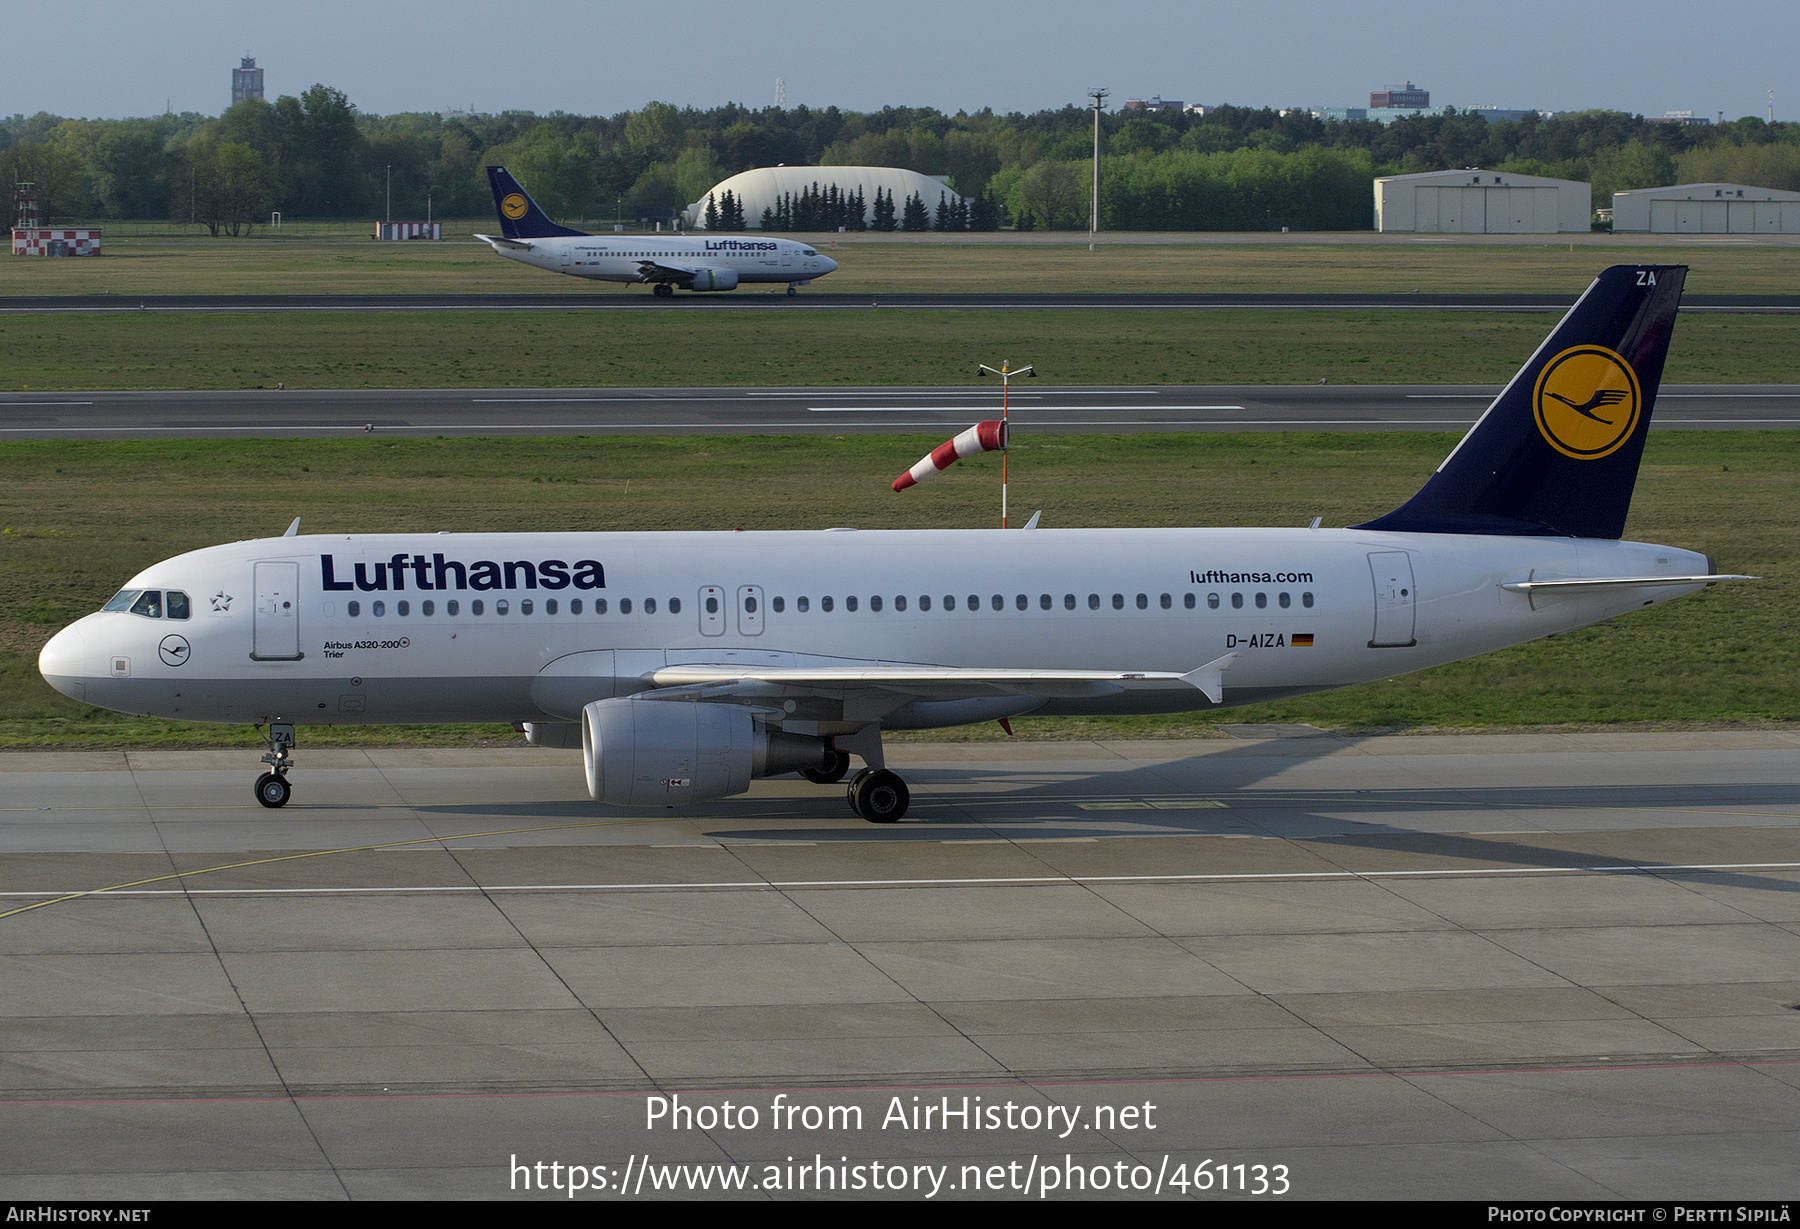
(589, 58)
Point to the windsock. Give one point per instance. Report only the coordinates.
(980, 438)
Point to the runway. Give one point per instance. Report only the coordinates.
(1529, 966)
(326, 413)
(639, 299)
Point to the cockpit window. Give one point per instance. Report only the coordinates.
(176, 605)
(122, 600)
(149, 604)
(810, 252)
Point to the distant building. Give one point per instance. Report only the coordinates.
(1387, 115)
(246, 81)
(1681, 119)
(1707, 209)
(762, 188)
(1154, 104)
(1478, 202)
(1408, 97)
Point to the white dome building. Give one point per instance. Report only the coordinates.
(764, 187)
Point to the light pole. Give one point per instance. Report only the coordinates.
(390, 194)
(1007, 373)
(1098, 95)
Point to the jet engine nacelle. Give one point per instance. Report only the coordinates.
(648, 752)
(714, 279)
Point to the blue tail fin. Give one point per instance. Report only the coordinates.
(1557, 452)
(520, 217)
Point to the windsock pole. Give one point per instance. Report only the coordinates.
(1006, 373)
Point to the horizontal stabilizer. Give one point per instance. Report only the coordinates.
(1614, 582)
(496, 242)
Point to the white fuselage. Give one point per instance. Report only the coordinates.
(622, 258)
(531, 627)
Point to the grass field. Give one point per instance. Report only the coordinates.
(883, 347)
(78, 519)
(894, 264)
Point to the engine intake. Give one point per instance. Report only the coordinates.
(648, 752)
(714, 279)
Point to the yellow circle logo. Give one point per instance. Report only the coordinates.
(514, 206)
(1587, 402)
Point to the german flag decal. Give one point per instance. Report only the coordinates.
(1302, 640)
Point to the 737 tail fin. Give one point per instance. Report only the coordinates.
(1557, 452)
(520, 217)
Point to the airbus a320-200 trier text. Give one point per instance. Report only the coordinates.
(685, 665)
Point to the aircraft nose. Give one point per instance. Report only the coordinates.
(63, 662)
(830, 264)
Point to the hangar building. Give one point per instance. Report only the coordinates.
(1477, 202)
(763, 187)
(1707, 209)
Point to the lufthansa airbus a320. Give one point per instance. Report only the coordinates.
(684, 665)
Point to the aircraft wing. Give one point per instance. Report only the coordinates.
(496, 242)
(651, 271)
(933, 682)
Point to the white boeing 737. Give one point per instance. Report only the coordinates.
(686, 664)
(715, 262)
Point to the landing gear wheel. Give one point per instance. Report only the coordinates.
(273, 790)
(664, 290)
(793, 291)
(831, 773)
(879, 796)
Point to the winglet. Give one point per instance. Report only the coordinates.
(1210, 678)
(293, 530)
(1032, 523)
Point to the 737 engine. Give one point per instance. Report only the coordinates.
(714, 279)
(646, 752)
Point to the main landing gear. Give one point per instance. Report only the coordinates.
(878, 795)
(664, 290)
(272, 788)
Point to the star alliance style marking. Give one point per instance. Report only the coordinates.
(221, 600)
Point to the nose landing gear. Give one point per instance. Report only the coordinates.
(272, 788)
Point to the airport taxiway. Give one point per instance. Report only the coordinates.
(1540, 965)
(316, 413)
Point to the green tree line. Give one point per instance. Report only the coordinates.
(1234, 168)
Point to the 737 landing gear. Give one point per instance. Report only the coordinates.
(793, 290)
(878, 795)
(664, 290)
(272, 788)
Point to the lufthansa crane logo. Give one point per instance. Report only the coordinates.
(173, 650)
(1587, 402)
(514, 206)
